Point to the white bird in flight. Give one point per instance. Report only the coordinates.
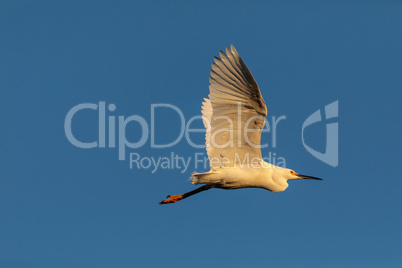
(234, 115)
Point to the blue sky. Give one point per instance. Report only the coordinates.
(62, 206)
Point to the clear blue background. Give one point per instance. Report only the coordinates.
(61, 206)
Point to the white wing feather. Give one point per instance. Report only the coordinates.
(234, 114)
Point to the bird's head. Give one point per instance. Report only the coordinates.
(292, 175)
(284, 174)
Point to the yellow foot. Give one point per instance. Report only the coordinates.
(172, 199)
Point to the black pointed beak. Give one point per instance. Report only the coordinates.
(309, 177)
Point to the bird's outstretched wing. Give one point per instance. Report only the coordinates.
(234, 114)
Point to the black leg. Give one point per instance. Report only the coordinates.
(196, 191)
(175, 198)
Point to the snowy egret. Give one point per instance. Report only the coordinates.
(234, 115)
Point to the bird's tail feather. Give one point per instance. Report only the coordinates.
(204, 178)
